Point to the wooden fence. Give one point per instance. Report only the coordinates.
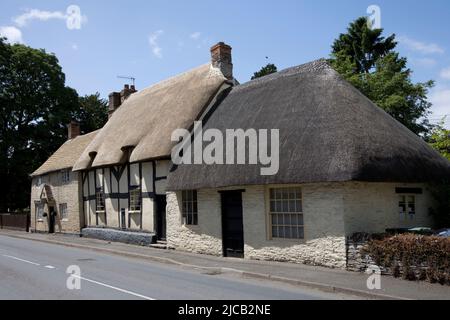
(20, 222)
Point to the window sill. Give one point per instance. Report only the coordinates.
(134, 212)
(40, 220)
(65, 220)
(285, 240)
(191, 226)
(100, 212)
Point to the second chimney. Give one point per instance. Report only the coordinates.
(117, 98)
(221, 59)
(73, 130)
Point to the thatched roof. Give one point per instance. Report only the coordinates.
(329, 132)
(66, 156)
(146, 120)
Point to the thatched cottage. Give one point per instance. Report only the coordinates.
(56, 191)
(345, 166)
(125, 167)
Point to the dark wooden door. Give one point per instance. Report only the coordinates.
(232, 224)
(161, 204)
(51, 220)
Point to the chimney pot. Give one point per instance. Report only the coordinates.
(73, 130)
(221, 58)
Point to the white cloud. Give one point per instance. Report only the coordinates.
(73, 17)
(74, 46)
(440, 98)
(424, 62)
(154, 45)
(415, 45)
(35, 14)
(13, 34)
(445, 73)
(195, 35)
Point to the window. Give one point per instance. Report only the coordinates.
(286, 213)
(135, 199)
(39, 181)
(407, 207)
(65, 176)
(63, 211)
(100, 200)
(190, 210)
(39, 211)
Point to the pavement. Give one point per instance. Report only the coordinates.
(43, 271)
(281, 276)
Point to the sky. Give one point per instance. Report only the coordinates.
(97, 41)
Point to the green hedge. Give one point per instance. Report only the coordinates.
(414, 257)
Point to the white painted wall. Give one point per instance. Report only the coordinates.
(331, 212)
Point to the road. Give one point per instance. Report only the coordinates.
(35, 270)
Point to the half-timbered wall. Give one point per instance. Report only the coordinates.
(116, 182)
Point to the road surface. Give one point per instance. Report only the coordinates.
(37, 270)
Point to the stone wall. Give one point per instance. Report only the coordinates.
(358, 261)
(69, 193)
(332, 211)
(107, 234)
(324, 242)
(206, 237)
(324, 231)
(373, 207)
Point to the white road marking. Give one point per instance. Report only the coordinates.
(114, 288)
(85, 279)
(18, 259)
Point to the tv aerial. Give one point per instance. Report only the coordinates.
(132, 79)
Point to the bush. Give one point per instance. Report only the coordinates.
(414, 257)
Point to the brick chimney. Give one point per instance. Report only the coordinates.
(73, 130)
(114, 103)
(127, 92)
(221, 59)
(116, 99)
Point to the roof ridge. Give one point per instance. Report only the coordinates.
(320, 64)
(171, 79)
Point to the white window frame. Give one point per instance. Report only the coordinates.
(39, 207)
(65, 176)
(135, 205)
(189, 207)
(405, 214)
(100, 197)
(299, 214)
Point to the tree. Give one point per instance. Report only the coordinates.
(268, 69)
(440, 139)
(363, 45)
(368, 61)
(35, 106)
(93, 113)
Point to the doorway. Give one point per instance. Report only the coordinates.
(232, 224)
(161, 204)
(51, 219)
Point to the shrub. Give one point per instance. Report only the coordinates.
(413, 256)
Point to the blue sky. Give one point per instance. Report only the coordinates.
(153, 40)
